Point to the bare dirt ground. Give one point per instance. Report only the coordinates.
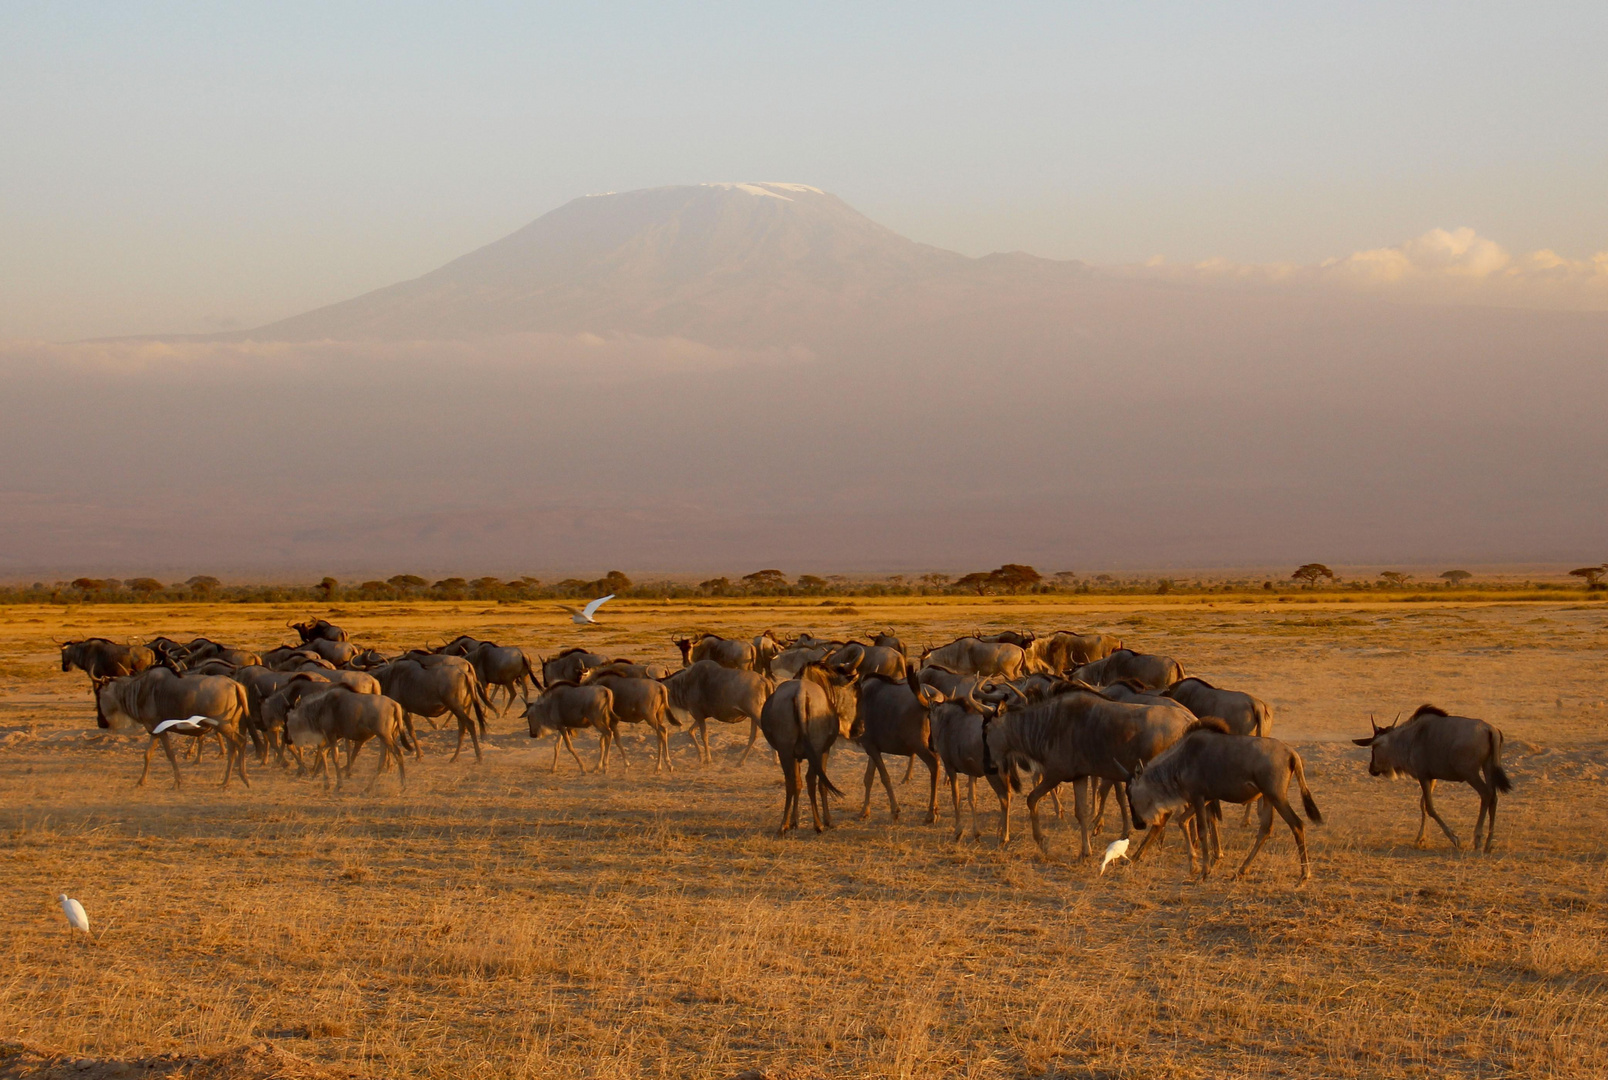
(498, 920)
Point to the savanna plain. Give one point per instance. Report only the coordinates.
(501, 920)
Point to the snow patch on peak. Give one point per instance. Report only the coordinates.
(752, 189)
(795, 187)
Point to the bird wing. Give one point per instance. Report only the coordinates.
(572, 611)
(76, 916)
(591, 609)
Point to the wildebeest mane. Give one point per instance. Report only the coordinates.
(1196, 678)
(1208, 723)
(571, 651)
(1428, 710)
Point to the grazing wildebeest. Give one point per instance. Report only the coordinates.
(639, 700)
(801, 721)
(318, 629)
(1208, 764)
(432, 690)
(1433, 745)
(893, 720)
(320, 720)
(974, 657)
(710, 691)
(1076, 736)
(564, 707)
(869, 660)
(504, 666)
(571, 665)
(157, 694)
(727, 652)
(1150, 670)
(1069, 649)
(101, 659)
(957, 739)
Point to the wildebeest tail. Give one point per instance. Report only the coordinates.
(1498, 775)
(1311, 807)
(481, 702)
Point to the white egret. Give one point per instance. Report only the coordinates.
(583, 616)
(194, 725)
(76, 919)
(1117, 849)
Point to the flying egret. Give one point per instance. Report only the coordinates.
(194, 725)
(584, 616)
(1117, 849)
(76, 919)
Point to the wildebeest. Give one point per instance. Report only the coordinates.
(1245, 714)
(887, 639)
(801, 721)
(971, 656)
(639, 700)
(1077, 736)
(157, 694)
(1150, 670)
(893, 720)
(767, 647)
(1208, 764)
(710, 691)
(284, 657)
(571, 665)
(1433, 745)
(318, 629)
(319, 720)
(564, 707)
(1069, 649)
(502, 665)
(792, 660)
(1020, 638)
(338, 653)
(869, 660)
(102, 659)
(430, 690)
(957, 739)
(727, 652)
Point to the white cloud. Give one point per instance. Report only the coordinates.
(1440, 266)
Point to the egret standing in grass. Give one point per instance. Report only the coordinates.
(583, 616)
(1117, 849)
(76, 918)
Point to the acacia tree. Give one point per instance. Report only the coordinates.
(1014, 577)
(1454, 578)
(1592, 574)
(1312, 573)
(1395, 577)
(765, 579)
(976, 580)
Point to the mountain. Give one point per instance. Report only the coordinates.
(733, 263)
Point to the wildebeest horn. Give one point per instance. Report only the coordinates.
(1373, 723)
(1127, 777)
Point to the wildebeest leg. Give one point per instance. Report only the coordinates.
(258, 743)
(954, 801)
(239, 748)
(1490, 821)
(931, 761)
(352, 748)
(812, 782)
(663, 760)
(882, 771)
(557, 742)
(870, 773)
(387, 748)
(1203, 829)
(604, 744)
(1487, 797)
(150, 747)
(1157, 827)
(1265, 813)
(173, 760)
(1429, 808)
(1100, 807)
(753, 734)
(1246, 819)
(1033, 798)
(910, 767)
(569, 745)
(789, 791)
(1003, 788)
(1055, 797)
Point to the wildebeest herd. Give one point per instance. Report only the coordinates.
(1018, 710)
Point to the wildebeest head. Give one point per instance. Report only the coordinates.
(1380, 760)
(109, 710)
(1145, 802)
(685, 645)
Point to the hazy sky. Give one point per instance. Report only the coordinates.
(182, 167)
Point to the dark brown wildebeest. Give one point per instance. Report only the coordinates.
(727, 652)
(338, 653)
(462, 645)
(970, 656)
(571, 665)
(801, 721)
(710, 691)
(893, 720)
(792, 660)
(1211, 765)
(949, 682)
(869, 660)
(1077, 736)
(101, 659)
(1148, 669)
(957, 739)
(266, 725)
(1245, 714)
(284, 657)
(431, 690)
(767, 647)
(1020, 638)
(1433, 745)
(318, 721)
(169, 653)
(630, 669)
(318, 630)
(368, 658)
(1066, 649)
(565, 707)
(887, 639)
(505, 666)
(639, 700)
(157, 694)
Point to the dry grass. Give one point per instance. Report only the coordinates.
(499, 921)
